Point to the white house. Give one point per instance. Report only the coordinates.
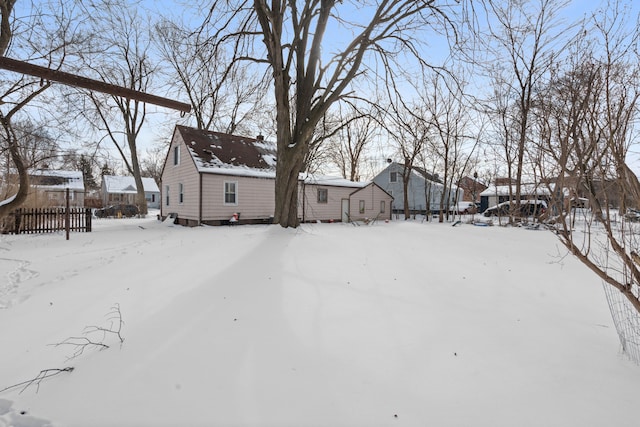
(123, 190)
(51, 187)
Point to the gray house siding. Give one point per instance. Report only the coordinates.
(423, 194)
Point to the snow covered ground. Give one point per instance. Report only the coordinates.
(395, 324)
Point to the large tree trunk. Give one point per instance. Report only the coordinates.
(290, 164)
(23, 184)
(141, 200)
(405, 192)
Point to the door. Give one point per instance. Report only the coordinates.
(345, 210)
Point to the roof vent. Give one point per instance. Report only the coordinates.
(260, 137)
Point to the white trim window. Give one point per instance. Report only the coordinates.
(393, 176)
(231, 193)
(382, 206)
(166, 195)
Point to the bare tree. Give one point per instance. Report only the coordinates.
(309, 80)
(153, 161)
(585, 122)
(45, 34)
(409, 126)
(125, 60)
(346, 148)
(523, 42)
(225, 95)
(450, 120)
(37, 147)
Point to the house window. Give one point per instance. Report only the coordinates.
(361, 206)
(153, 198)
(180, 193)
(393, 176)
(230, 193)
(176, 155)
(323, 195)
(166, 194)
(381, 206)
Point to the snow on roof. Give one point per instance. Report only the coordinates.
(57, 179)
(220, 152)
(127, 184)
(525, 189)
(7, 201)
(331, 181)
(232, 155)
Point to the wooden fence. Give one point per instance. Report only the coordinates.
(46, 220)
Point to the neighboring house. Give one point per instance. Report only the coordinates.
(208, 177)
(472, 189)
(500, 193)
(123, 190)
(424, 189)
(51, 187)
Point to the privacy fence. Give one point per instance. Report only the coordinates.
(46, 220)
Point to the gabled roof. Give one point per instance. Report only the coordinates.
(221, 153)
(426, 175)
(215, 151)
(417, 171)
(127, 184)
(57, 179)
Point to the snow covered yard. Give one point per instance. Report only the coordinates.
(398, 324)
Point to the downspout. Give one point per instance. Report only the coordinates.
(200, 200)
(304, 199)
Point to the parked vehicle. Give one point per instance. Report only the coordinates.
(527, 208)
(117, 211)
(632, 215)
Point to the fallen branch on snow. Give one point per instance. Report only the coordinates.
(45, 373)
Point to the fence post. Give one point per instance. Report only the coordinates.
(87, 223)
(66, 215)
(16, 223)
